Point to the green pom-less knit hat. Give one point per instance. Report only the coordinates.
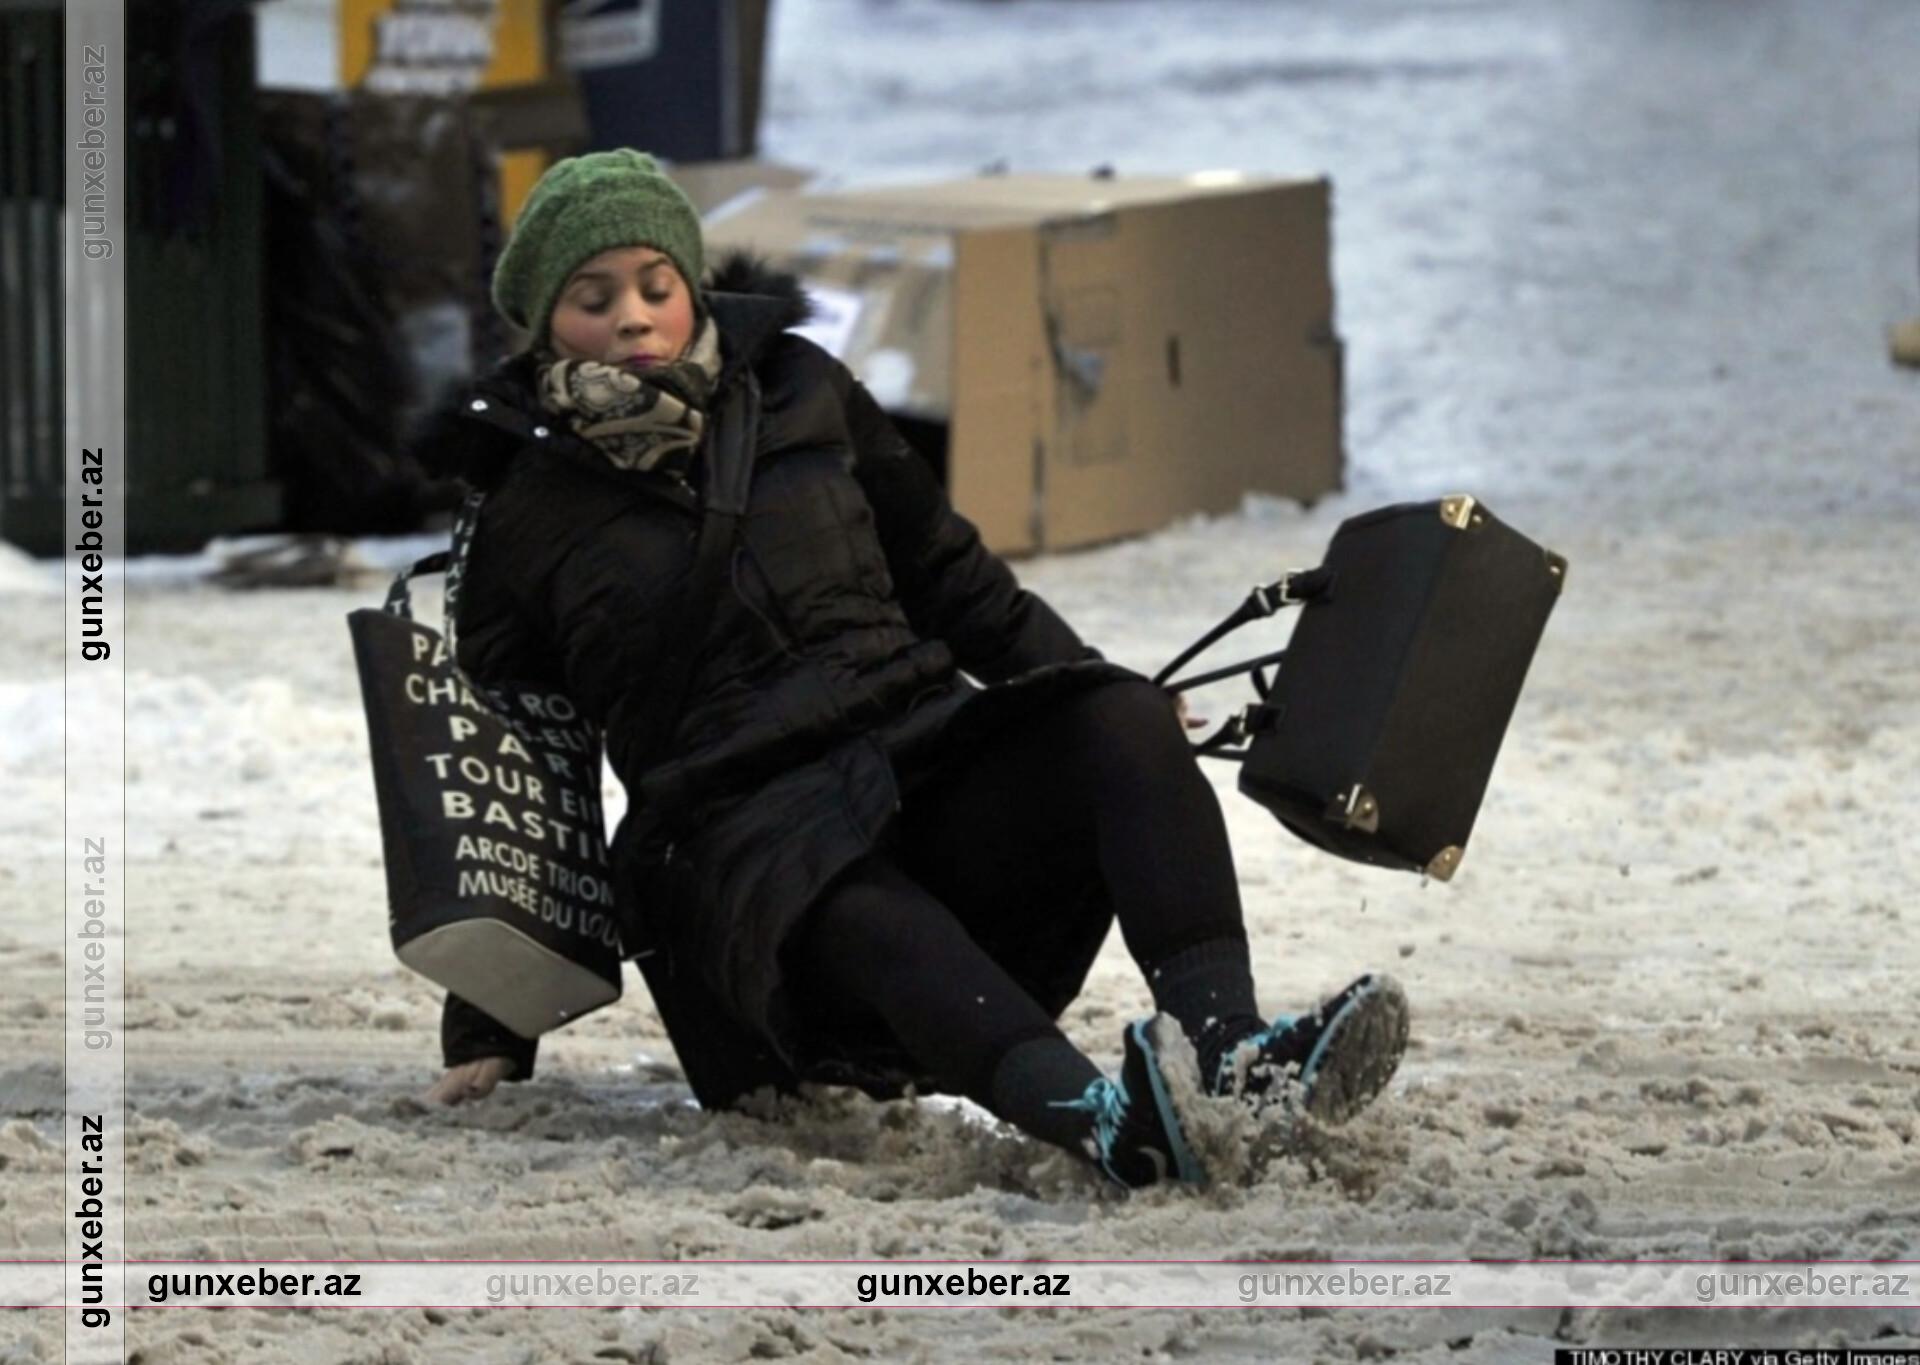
(581, 207)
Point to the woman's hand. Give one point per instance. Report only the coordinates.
(471, 1080)
(1180, 709)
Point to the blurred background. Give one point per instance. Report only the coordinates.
(317, 190)
(315, 194)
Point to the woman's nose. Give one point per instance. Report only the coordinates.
(635, 317)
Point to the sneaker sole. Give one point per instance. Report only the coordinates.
(1187, 1167)
(1358, 1053)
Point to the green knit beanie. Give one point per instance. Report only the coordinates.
(581, 207)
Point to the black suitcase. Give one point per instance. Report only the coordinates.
(1376, 739)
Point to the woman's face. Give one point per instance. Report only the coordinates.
(628, 306)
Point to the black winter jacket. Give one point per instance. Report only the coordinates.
(829, 676)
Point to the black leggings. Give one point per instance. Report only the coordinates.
(1096, 791)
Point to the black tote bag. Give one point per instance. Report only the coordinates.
(499, 885)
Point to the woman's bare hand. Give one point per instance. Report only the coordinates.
(471, 1080)
(1180, 709)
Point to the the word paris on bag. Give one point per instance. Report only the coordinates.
(498, 882)
(1376, 737)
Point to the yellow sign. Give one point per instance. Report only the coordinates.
(444, 47)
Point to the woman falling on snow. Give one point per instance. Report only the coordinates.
(883, 838)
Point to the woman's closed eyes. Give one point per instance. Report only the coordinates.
(599, 303)
(620, 293)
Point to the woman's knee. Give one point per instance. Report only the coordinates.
(1130, 728)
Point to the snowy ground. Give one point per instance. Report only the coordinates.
(1622, 269)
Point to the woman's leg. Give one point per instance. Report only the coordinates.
(878, 939)
(1099, 789)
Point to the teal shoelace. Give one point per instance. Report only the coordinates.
(1106, 1101)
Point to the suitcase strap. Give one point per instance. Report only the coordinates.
(1292, 589)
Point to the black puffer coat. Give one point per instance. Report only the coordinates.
(829, 678)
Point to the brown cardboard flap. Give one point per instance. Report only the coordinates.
(1034, 199)
(1208, 381)
(891, 319)
(1109, 354)
(999, 347)
(882, 289)
(1253, 406)
(713, 185)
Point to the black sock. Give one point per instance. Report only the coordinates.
(1206, 981)
(1034, 1082)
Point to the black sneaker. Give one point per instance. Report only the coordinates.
(1137, 1139)
(1332, 1062)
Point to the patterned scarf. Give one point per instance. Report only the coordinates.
(640, 419)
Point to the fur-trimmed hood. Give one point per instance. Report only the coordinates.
(477, 429)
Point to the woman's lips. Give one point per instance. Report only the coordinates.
(640, 362)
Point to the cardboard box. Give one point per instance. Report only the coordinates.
(714, 185)
(1097, 356)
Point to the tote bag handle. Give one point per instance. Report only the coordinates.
(452, 562)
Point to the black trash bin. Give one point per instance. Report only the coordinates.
(197, 460)
(32, 189)
(198, 463)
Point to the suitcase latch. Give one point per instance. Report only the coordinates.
(1356, 809)
(1240, 725)
(1294, 588)
(1461, 512)
(1269, 598)
(1445, 863)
